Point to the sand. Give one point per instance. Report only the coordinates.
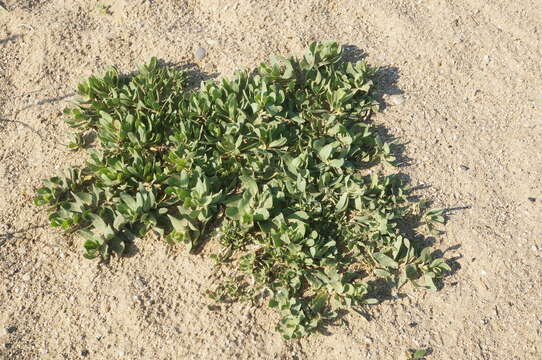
(468, 117)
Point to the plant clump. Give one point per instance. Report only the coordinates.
(276, 165)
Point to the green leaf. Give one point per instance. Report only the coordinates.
(342, 204)
(382, 273)
(411, 272)
(336, 163)
(99, 224)
(385, 261)
(325, 151)
(179, 225)
(418, 354)
(371, 301)
(261, 214)
(250, 184)
(232, 212)
(117, 245)
(278, 143)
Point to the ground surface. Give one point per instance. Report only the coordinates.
(471, 125)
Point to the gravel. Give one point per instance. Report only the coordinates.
(200, 53)
(397, 99)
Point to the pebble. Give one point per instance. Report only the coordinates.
(534, 247)
(140, 281)
(11, 329)
(531, 199)
(397, 99)
(200, 53)
(85, 353)
(26, 277)
(463, 167)
(486, 59)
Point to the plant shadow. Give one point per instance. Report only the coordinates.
(17, 234)
(196, 76)
(9, 38)
(387, 76)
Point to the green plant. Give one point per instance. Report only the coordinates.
(417, 354)
(103, 9)
(278, 165)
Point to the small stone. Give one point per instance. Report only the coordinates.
(463, 167)
(531, 199)
(26, 277)
(140, 281)
(11, 329)
(7, 345)
(483, 273)
(397, 99)
(534, 248)
(200, 53)
(413, 324)
(84, 353)
(486, 59)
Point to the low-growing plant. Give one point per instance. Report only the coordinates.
(279, 165)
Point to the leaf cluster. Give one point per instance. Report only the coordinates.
(277, 162)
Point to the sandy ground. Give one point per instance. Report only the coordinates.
(471, 126)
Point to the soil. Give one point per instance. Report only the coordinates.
(468, 117)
